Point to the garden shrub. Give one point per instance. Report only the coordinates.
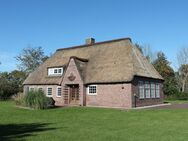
(38, 100)
(19, 99)
(182, 96)
(51, 102)
(178, 96)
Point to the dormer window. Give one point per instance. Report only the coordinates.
(55, 71)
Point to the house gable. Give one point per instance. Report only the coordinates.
(72, 75)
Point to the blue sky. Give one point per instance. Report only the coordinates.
(53, 24)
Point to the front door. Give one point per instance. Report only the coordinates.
(74, 94)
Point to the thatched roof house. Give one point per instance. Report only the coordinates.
(92, 72)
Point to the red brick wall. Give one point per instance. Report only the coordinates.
(111, 95)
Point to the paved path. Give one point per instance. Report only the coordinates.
(173, 106)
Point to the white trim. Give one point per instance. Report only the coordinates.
(91, 93)
(57, 91)
(51, 71)
(47, 92)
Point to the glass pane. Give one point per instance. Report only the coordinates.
(92, 89)
(141, 93)
(152, 93)
(55, 70)
(147, 93)
(59, 70)
(59, 92)
(49, 91)
(157, 93)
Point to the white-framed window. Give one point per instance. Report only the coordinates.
(92, 90)
(157, 90)
(40, 89)
(58, 91)
(55, 71)
(49, 91)
(141, 89)
(152, 90)
(147, 89)
(31, 89)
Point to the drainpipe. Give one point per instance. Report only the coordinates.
(135, 96)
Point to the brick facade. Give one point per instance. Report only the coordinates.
(108, 95)
(111, 95)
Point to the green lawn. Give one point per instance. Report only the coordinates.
(92, 124)
(177, 101)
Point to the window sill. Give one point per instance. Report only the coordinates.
(92, 94)
(54, 75)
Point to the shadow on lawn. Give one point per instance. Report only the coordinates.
(11, 132)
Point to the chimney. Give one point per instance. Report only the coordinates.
(90, 41)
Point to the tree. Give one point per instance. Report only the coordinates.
(11, 83)
(147, 52)
(30, 58)
(7, 86)
(182, 77)
(162, 65)
(17, 77)
(182, 56)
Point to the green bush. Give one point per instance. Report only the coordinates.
(51, 102)
(182, 96)
(178, 96)
(37, 100)
(8, 87)
(19, 99)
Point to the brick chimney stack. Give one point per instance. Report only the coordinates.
(90, 41)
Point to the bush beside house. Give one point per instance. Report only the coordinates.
(34, 99)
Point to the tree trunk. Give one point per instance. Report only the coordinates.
(183, 85)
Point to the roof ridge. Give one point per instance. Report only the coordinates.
(102, 42)
(78, 58)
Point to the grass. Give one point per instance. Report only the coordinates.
(92, 124)
(177, 101)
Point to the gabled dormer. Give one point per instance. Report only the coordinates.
(55, 71)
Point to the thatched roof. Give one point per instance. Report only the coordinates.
(103, 62)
